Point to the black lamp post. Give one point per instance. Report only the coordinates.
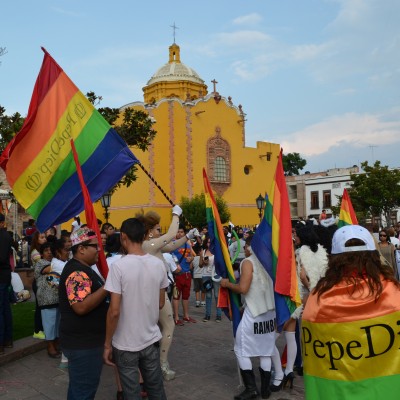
(260, 205)
(105, 203)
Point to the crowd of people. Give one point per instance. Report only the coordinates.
(127, 319)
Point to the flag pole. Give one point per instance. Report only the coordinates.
(163, 192)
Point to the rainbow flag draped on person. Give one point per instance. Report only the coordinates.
(347, 215)
(38, 162)
(351, 348)
(273, 245)
(220, 250)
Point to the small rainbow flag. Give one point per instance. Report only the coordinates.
(220, 250)
(38, 162)
(350, 344)
(273, 245)
(347, 215)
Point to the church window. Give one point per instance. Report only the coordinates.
(220, 169)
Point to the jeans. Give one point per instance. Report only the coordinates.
(209, 297)
(5, 314)
(84, 368)
(148, 360)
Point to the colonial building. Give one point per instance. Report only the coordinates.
(196, 129)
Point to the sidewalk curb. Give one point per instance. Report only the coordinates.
(22, 347)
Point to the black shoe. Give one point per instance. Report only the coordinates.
(265, 379)
(288, 379)
(275, 388)
(249, 381)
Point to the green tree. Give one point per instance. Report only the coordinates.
(194, 209)
(293, 163)
(9, 126)
(376, 191)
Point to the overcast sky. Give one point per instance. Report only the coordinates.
(320, 77)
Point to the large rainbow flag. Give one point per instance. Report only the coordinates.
(220, 250)
(273, 245)
(350, 344)
(38, 162)
(347, 215)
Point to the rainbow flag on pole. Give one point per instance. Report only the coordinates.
(350, 344)
(220, 250)
(347, 215)
(273, 245)
(38, 162)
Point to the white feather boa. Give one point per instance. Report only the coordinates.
(315, 264)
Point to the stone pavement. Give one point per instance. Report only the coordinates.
(202, 356)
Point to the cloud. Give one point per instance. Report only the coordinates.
(249, 19)
(243, 38)
(66, 12)
(350, 129)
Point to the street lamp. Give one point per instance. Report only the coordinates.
(260, 205)
(105, 203)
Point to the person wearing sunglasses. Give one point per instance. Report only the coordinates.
(386, 248)
(83, 307)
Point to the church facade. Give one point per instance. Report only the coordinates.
(196, 129)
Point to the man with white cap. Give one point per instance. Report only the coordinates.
(350, 324)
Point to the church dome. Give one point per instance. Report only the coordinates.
(174, 79)
(175, 70)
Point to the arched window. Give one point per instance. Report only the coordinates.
(219, 162)
(220, 169)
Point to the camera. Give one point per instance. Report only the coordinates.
(206, 258)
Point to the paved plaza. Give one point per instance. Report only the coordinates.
(202, 356)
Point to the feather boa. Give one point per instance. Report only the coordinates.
(315, 264)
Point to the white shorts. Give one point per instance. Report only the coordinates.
(255, 337)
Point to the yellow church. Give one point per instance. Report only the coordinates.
(196, 129)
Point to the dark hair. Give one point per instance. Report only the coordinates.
(249, 239)
(113, 243)
(58, 245)
(325, 235)
(181, 226)
(44, 247)
(353, 268)
(107, 225)
(77, 219)
(308, 237)
(134, 229)
(35, 241)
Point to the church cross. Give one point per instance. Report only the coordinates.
(214, 82)
(174, 28)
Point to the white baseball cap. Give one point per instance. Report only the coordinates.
(345, 233)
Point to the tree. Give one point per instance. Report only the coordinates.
(194, 210)
(376, 191)
(293, 163)
(9, 126)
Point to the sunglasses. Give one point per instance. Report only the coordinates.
(96, 246)
(382, 235)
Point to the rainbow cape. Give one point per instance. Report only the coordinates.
(350, 344)
(347, 215)
(273, 245)
(38, 162)
(220, 250)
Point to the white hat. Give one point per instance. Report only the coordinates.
(216, 278)
(345, 233)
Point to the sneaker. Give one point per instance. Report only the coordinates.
(168, 374)
(203, 303)
(179, 322)
(39, 335)
(218, 319)
(189, 319)
(206, 319)
(197, 304)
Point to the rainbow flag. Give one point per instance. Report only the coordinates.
(220, 250)
(347, 215)
(38, 162)
(273, 245)
(350, 344)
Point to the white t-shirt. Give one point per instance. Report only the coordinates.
(197, 270)
(75, 226)
(57, 265)
(171, 264)
(138, 279)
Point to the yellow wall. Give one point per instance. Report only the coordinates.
(172, 164)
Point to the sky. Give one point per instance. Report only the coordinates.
(320, 77)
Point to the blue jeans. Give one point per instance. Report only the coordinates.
(148, 361)
(84, 368)
(209, 297)
(5, 314)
